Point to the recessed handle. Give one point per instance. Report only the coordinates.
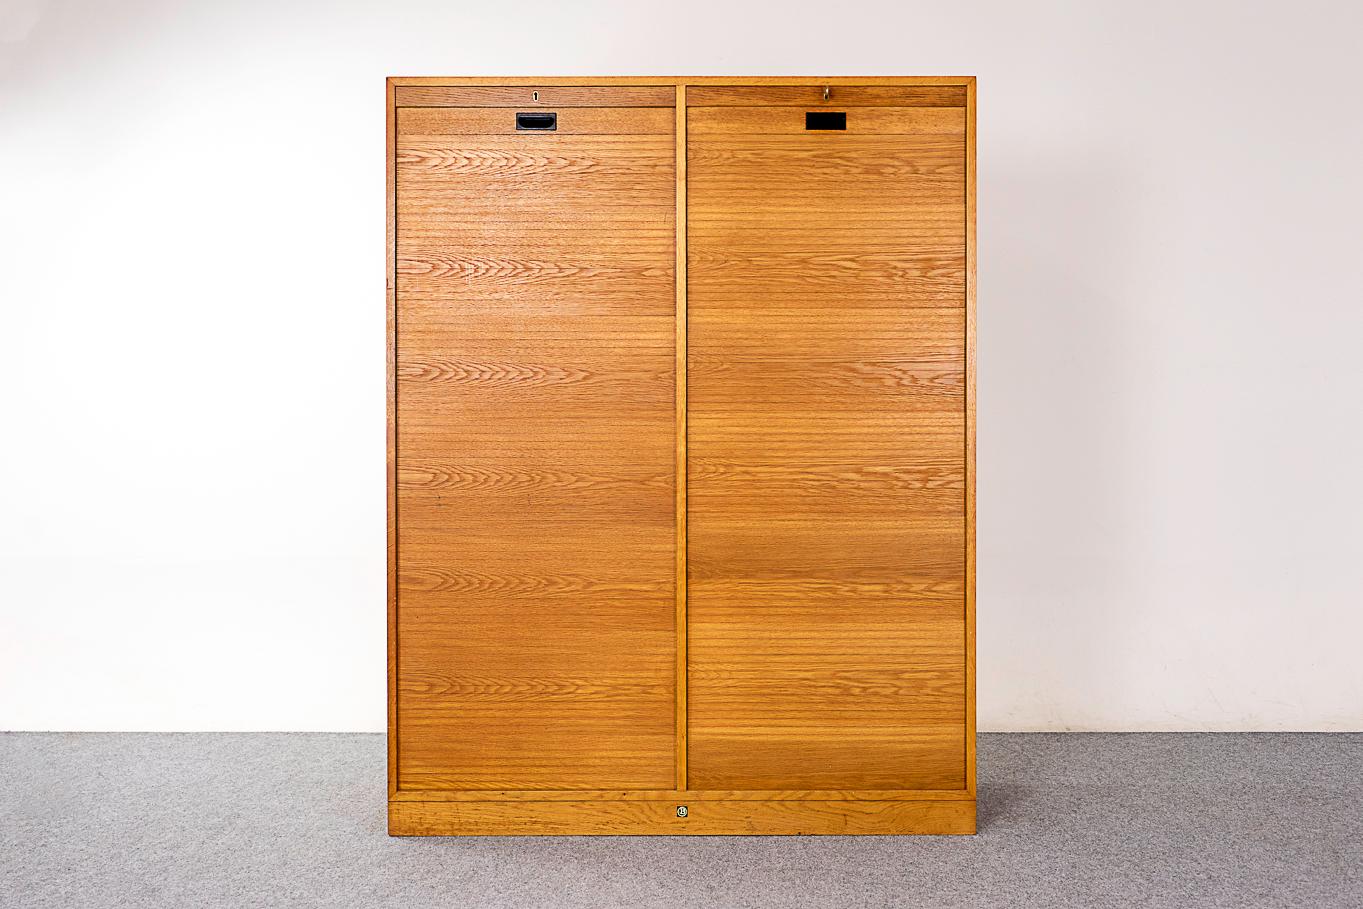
(826, 119)
(539, 121)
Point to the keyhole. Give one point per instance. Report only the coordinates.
(535, 96)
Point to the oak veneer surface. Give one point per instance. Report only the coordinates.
(681, 338)
(743, 817)
(535, 448)
(838, 98)
(526, 97)
(826, 446)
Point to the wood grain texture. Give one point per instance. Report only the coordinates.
(708, 818)
(812, 96)
(672, 795)
(751, 81)
(390, 356)
(523, 97)
(681, 402)
(496, 121)
(826, 424)
(546, 612)
(535, 451)
(970, 319)
(866, 121)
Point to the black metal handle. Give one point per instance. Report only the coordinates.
(826, 119)
(537, 120)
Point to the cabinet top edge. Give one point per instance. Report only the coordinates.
(492, 81)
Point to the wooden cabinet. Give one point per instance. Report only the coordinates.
(681, 451)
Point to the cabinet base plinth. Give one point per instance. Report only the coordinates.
(702, 818)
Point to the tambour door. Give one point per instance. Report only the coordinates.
(826, 387)
(535, 439)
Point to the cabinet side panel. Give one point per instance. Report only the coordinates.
(970, 244)
(535, 439)
(390, 319)
(826, 455)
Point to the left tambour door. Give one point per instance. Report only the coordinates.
(535, 441)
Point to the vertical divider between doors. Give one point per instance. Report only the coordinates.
(679, 139)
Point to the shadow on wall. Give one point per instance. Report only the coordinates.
(1056, 392)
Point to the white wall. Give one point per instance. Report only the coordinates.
(191, 359)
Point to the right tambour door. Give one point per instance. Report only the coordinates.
(826, 439)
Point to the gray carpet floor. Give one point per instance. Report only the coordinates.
(219, 820)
